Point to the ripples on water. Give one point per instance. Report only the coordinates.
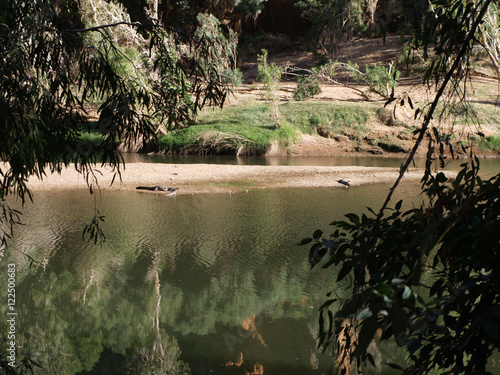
(190, 273)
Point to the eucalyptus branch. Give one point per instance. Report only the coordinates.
(358, 91)
(100, 27)
(111, 25)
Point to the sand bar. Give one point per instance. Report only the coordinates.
(217, 178)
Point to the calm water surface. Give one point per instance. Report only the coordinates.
(489, 166)
(200, 284)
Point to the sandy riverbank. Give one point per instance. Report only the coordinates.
(212, 178)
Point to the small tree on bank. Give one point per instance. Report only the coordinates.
(270, 76)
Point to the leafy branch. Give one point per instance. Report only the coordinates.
(444, 320)
(380, 80)
(53, 68)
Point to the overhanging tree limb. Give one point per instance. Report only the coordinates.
(456, 63)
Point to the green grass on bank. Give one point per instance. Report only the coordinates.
(90, 136)
(491, 143)
(473, 116)
(249, 129)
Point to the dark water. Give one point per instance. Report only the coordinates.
(200, 284)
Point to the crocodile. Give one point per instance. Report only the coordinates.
(157, 188)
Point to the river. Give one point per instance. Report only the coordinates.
(194, 284)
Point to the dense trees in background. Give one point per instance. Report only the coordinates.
(322, 24)
(325, 22)
(489, 35)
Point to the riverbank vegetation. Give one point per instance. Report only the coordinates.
(248, 129)
(238, 37)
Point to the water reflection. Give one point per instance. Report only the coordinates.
(489, 165)
(369, 161)
(192, 284)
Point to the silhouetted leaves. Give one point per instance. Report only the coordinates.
(454, 239)
(93, 230)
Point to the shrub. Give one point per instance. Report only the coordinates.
(307, 87)
(379, 79)
(222, 50)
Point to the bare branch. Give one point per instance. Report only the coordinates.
(456, 64)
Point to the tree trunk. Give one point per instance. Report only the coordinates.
(371, 8)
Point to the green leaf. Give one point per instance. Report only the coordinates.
(406, 292)
(441, 177)
(366, 313)
(459, 177)
(331, 325)
(328, 303)
(344, 271)
(350, 308)
(436, 134)
(371, 359)
(394, 366)
(321, 329)
(399, 319)
(383, 289)
(316, 254)
(389, 101)
(410, 102)
(364, 219)
(398, 205)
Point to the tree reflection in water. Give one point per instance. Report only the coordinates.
(184, 285)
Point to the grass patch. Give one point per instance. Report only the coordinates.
(334, 119)
(91, 137)
(488, 113)
(249, 129)
(476, 111)
(491, 143)
(483, 144)
(176, 140)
